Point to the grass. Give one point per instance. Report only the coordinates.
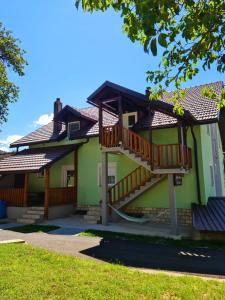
(155, 240)
(32, 273)
(33, 228)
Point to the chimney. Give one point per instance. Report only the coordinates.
(57, 108)
(148, 91)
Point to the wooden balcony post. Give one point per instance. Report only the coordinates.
(150, 117)
(100, 122)
(25, 191)
(120, 110)
(104, 192)
(46, 203)
(181, 143)
(75, 175)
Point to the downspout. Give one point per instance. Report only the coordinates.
(196, 165)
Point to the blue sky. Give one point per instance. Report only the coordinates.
(70, 53)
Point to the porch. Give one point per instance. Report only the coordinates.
(21, 172)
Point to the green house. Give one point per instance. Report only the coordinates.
(123, 155)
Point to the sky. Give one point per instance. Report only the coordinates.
(70, 54)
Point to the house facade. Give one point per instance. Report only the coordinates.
(123, 153)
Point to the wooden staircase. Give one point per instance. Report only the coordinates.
(132, 186)
(155, 161)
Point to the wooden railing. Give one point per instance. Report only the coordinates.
(128, 184)
(13, 196)
(172, 156)
(158, 156)
(59, 196)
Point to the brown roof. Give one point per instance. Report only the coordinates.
(34, 160)
(203, 110)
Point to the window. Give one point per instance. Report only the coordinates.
(68, 176)
(131, 120)
(73, 127)
(111, 174)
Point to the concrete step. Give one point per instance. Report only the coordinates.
(91, 218)
(91, 222)
(39, 208)
(35, 212)
(93, 213)
(25, 221)
(31, 216)
(94, 208)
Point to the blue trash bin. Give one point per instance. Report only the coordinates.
(2, 209)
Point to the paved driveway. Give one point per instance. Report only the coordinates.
(130, 253)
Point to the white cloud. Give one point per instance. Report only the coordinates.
(5, 149)
(43, 119)
(4, 144)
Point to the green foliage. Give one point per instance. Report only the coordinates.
(11, 58)
(191, 34)
(218, 98)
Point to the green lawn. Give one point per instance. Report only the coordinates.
(32, 273)
(33, 228)
(155, 240)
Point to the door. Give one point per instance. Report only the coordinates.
(215, 158)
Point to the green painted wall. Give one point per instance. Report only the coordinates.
(36, 184)
(89, 156)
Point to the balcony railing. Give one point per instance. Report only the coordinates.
(160, 156)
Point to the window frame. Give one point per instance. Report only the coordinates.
(71, 123)
(112, 171)
(64, 170)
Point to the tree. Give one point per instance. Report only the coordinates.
(11, 58)
(190, 33)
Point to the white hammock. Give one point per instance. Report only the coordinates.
(141, 220)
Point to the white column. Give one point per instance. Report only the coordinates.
(172, 204)
(104, 208)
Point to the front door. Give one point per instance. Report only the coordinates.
(216, 160)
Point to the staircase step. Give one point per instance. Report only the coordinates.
(39, 208)
(92, 222)
(93, 213)
(91, 218)
(94, 208)
(31, 216)
(35, 212)
(25, 221)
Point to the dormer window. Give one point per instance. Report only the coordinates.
(73, 127)
(129, 119)
(132, 120)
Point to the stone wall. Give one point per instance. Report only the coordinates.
(162, 215)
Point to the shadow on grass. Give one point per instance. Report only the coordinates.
(33, 228)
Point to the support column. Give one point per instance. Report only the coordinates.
(104, 208)
(100, 122)
(46, 203)
(172, 205)
(75, 175)
(25, 195)
(150, 137)
(181, 142)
